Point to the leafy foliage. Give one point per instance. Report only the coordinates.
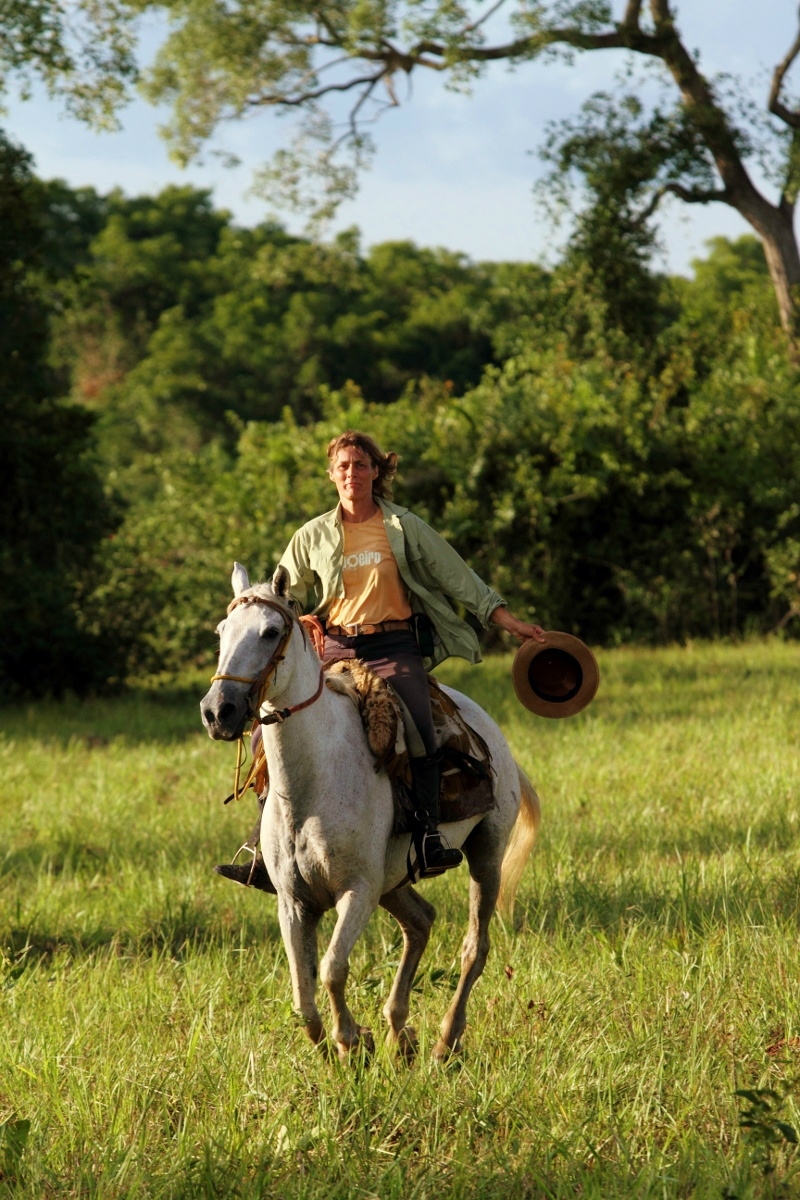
(763, 1122)
(617, 458)
(335, 68)
(83, 52)
(55, 511)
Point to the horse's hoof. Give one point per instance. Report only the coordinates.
(325, 1049)
(407, 1044)
(363, 1043)
(368, 1042)
(444, 1053)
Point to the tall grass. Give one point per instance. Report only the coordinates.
(147, 1043)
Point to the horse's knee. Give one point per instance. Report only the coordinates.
(333, 971)
(424, 922)
(418, 934)
(475, 950)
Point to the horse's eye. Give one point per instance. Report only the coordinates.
(269, 634)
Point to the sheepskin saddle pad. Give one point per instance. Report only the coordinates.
(466, 789)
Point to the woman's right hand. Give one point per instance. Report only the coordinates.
(521, 630)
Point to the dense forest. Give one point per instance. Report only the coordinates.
(616, 451)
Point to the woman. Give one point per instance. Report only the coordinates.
(380, 581)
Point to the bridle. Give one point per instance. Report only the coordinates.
(260, 683)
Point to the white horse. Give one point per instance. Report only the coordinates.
(326, 832)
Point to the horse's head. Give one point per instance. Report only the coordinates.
(252, 639)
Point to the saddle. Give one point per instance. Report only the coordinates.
(466, 786)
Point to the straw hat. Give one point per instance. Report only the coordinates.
(556, 678)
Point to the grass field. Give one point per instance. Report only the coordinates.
(147, 1042)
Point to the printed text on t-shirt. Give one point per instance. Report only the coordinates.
(366, 558)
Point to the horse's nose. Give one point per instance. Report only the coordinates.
(226, 712)
(217, 716)
(223, 716)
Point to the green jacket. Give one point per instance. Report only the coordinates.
(431, 569)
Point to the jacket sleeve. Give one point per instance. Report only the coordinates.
(301, 576)
(451, 575)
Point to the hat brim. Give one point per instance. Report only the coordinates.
(555, 678)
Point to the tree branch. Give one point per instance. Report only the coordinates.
(789, 116)
(688, 195)
(292, 101)
(662, 16)
(482, 20)
(322, 18)
(354, 112)
(621, 38)
(632, 14)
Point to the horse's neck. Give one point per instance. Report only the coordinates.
(299, 749)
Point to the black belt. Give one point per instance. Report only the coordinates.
(366, 630)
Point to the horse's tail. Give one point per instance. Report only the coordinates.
(520, 844)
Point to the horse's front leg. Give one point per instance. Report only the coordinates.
(415, 917)
(354, 908)
(299, 930)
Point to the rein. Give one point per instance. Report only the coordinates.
(260, 683)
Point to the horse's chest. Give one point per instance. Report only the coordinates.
(345, 837)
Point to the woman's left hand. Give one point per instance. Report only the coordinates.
(518, 629)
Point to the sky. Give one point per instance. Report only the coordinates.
(450, 170)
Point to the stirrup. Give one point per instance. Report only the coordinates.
(430, 846)
(253, 875)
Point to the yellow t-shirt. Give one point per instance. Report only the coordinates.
(373, 589)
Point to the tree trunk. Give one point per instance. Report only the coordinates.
(775, 226)
(783, 261)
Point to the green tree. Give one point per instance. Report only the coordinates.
(339, 64)
(55, 513)
(174, 321)
(82, 52)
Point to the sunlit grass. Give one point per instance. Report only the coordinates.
(651, 969)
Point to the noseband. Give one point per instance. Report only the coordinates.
(261, 682)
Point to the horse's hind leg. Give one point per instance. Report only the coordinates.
(415, 917)
(484, 855)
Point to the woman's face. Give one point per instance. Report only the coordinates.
(353, 471)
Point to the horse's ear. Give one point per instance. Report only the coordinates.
(240, 581)
(280, 581)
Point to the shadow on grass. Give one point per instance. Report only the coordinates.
(164, 714)
(166, 907)
(183, 931)
(685, 904)
(114, 849)
(711, 838)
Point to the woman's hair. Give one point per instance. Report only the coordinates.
(386, 463)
